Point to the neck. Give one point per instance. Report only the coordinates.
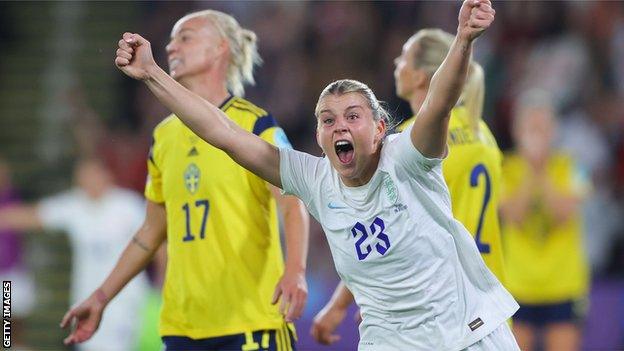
(417, 99)
(209, 87)
(367, 173)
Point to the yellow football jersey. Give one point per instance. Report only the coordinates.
(472, 171)
(223, 245)
(545, 261)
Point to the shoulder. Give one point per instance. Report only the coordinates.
(248, 115)
(126, 195)
(405, 123)
(166, 124)
(244, 106)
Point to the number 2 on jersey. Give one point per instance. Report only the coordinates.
(187, 211)
(474, 182)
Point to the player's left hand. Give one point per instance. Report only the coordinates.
(293, 290)
(475, 16)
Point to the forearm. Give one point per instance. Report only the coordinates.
(296, 232)
(137, 254)
(514, 210)
(203, 118)
(342, 297)
(561, 206)
(20, 217)
(430, 129)
(448, 81)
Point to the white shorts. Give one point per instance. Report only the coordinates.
(501, 339)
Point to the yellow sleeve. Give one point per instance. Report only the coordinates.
(153, 184)
(266, 128)
(575, 180)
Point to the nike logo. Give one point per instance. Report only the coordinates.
(335, 206)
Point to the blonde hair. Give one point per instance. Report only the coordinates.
(433, 46)
(345, 86)
(243, 48)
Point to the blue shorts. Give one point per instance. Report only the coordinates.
(261, 340)
(571, 311)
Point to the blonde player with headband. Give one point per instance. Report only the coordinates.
(218, 219)
(472, 169)
(415, 272)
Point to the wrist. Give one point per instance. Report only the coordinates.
(101, 297)
(464, 39)
(152, 72)
(297, 267)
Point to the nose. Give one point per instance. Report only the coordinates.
(340, 126)
(170, 48)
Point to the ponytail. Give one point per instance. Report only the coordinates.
(473, 95)
(243, 49)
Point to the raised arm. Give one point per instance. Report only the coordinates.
(134, 58)
(431, 126)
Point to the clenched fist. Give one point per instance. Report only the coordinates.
(475, 16)
(134, 56)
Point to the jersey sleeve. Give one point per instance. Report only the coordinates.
(153, 184)
(405, 154)
(266, 128)
(55, 212)
(297, 173)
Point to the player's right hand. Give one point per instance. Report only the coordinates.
(134, 56)
(325, 324)
(86, 317)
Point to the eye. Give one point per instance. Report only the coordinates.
(328, 121)
(352, 116)
(185, 38)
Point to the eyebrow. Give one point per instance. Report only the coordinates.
(347, 109)
(353, 107)
(182, 31)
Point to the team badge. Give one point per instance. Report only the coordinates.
(192, 175)
(390, 188)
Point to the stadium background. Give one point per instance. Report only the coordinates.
(60, 95)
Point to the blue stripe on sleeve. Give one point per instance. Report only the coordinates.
(264, 123)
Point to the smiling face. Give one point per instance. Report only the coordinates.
(195, 48)
(350, 136)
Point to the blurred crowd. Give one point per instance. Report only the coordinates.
(572, 50)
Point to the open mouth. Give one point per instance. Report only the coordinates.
(174, 63)
(344, 150)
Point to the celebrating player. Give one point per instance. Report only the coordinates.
(472, 169)
(219, 220)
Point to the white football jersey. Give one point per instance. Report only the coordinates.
(98, 232)
(415, 272)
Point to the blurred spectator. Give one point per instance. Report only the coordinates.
(12, 265)
(99, 219)
(543, 246)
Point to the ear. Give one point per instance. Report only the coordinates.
(420, 78)
(224, 47)
(381, 130)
